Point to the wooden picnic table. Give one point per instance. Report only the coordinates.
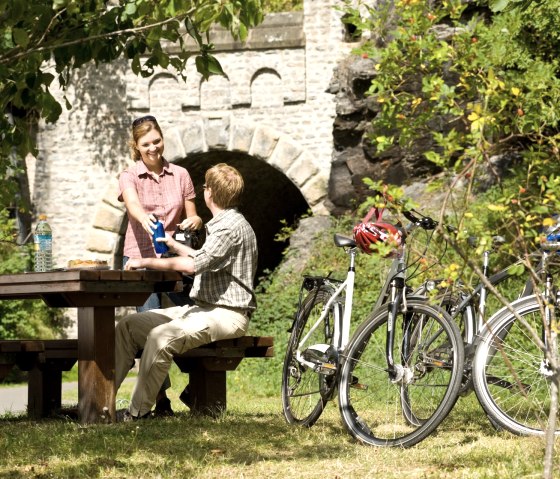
(95, 294)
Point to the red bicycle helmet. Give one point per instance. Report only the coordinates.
(367, 235)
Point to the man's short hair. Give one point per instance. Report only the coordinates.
(226, 184)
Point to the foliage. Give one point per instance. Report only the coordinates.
(23, 318)
(41, 42)
(478, 82)
(481, 88)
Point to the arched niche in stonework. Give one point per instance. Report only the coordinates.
(266, 89)
(215, 93)
(163, 96)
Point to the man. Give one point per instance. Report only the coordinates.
(224, 270)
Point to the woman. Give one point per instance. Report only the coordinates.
(153, 189)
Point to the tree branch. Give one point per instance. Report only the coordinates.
(7, 58)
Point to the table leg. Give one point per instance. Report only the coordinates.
(96, 364)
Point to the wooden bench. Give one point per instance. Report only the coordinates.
(206, 365)
(44, 360)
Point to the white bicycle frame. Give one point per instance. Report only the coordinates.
(342, 333)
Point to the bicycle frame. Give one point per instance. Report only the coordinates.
(393, 286)
(396, 284)
(341, 328)
(474, 326)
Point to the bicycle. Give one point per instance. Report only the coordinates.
(468, 308)
(397, 377)
(492, 385)
(512, 367)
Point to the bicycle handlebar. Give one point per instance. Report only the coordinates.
(424, 222)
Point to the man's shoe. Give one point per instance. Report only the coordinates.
(163, 408)
(123, 415)
(185, 397)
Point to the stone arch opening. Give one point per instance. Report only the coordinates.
(215, 93)
(163, 95)
(270, 200)
(266, 89)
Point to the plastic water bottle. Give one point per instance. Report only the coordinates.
(43, 245)
(159, 232)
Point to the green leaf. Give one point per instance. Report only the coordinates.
(214, 66)
(208, 65)
(130, 9)
(192, 30)
(517, 270)
(51, 108)
(21, 37)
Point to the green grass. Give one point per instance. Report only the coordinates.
(252, 440)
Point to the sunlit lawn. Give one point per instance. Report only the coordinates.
(252, 440)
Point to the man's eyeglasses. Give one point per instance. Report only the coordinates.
(142, 119)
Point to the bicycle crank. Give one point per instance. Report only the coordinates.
(323, 357)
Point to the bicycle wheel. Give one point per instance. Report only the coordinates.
(382, 412)
(511, 376)
(307, 387)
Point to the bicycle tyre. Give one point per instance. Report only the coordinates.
(377, 411)
(305, 392)
(509, 375)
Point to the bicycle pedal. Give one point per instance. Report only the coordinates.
(355, 384)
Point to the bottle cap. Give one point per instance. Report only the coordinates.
(42, 217)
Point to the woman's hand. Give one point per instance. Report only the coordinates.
(149, 224)
(191, 223)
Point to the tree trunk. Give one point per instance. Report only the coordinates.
(23, 206)
(551, 427)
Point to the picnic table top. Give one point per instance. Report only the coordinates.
(88, 287)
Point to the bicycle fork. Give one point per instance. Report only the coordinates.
(550, 327)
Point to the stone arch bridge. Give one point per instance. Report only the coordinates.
(271, 116)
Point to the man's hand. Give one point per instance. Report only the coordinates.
(133, 263)
(169, 241)
(175, 247)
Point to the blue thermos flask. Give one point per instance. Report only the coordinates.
(159, 232)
